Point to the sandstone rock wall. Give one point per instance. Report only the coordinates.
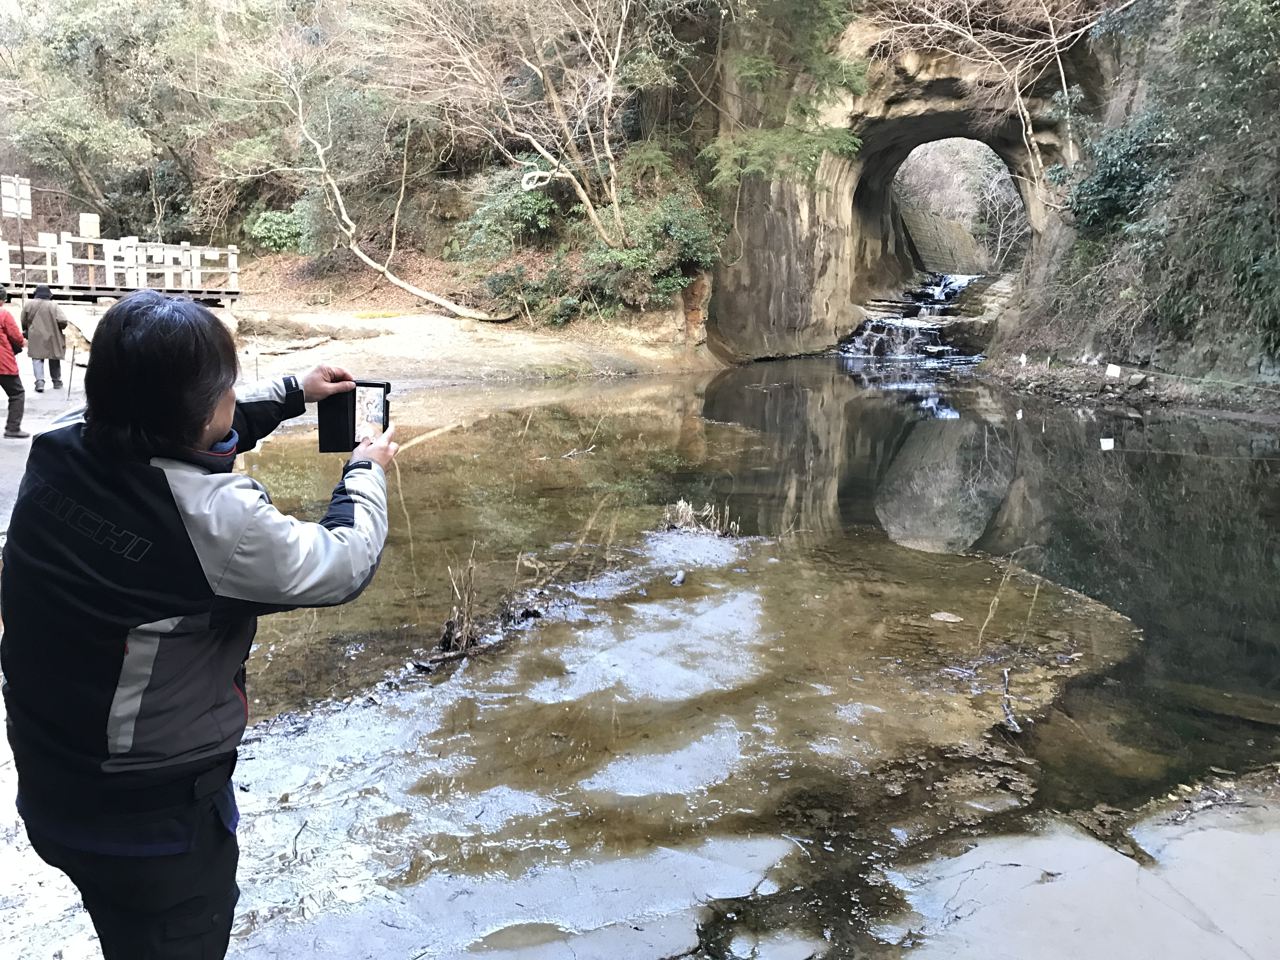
(810, 253)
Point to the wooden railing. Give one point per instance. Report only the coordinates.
(84, 267)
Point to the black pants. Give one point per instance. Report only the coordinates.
(157, 908)
(12, 386)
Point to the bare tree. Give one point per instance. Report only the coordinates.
(296, 73)
(542, 81)
(964, 180)
(1011, 46)
(1002, 218)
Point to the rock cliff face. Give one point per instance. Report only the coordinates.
(810, 254)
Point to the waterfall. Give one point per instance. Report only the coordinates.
(909, 329)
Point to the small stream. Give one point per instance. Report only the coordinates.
(912, 328)
(949, 612)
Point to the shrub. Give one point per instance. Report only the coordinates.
(507, 216)
(277, 230)
(564, 310)
(554, 297)
(1129, 172)
(672, 238)
(1178, 210)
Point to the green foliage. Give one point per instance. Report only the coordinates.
(755, 71)
(563, 311)
(508, 286)
(88, 95)
(555, 297)
(788, 63)
(277, 230)
(780, 152)
(648, 163)
(1128, 172)
(671, 238)
(1139, 21)
(508, 216)
(1180, 208)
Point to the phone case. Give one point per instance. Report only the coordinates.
(338, 417)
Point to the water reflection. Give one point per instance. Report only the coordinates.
(1176, 525)
(654, 768)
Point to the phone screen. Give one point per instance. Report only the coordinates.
(370, 405)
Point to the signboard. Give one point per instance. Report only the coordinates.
(15, 197)
(90, 226)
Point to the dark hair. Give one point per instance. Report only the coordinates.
(158, 367)
(42, 293)
(4, 295)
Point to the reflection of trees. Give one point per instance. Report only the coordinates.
(1187, 544)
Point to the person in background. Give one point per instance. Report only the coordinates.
(136, 566)
(11, 344)
(43, 322)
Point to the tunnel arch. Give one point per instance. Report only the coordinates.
(811, 254)
(882, 243)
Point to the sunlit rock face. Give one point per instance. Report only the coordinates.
(811, 254)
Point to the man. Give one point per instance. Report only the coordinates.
(43, 323)
(136, 566)
(11, 344)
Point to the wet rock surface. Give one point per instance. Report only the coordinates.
(1060, 893)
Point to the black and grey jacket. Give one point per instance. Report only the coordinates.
(130, 593)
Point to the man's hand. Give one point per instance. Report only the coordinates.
(381, 450)
(325, 381)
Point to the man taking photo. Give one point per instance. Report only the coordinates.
(135, 569)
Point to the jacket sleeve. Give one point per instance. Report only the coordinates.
(262, 407)
(60, 317)
(26, 318)
(254, 554)
(12, 332)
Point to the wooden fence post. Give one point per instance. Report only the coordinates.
(129, 261)
(110, 250)
(63, 255)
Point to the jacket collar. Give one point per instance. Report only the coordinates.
(220, 458)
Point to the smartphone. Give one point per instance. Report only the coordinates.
(347, 419)
(371, 411)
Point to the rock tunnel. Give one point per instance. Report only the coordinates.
(809, 255)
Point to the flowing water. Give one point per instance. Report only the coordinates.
(912, 328)
(948, 612)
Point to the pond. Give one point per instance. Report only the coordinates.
(948, 611)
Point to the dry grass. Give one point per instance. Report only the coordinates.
(461, 631)
(710, 519)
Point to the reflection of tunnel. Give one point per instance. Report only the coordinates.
(811, 254)
(840, 455)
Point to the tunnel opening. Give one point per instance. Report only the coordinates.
(966, 188)
(955, 226)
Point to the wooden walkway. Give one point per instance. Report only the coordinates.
(84, 269)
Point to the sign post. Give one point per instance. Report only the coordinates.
(15, 201)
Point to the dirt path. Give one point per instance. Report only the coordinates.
(426, 348)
